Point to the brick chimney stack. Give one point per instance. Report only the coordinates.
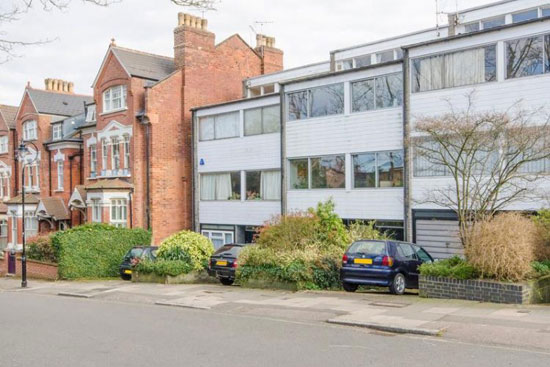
(272, 58)
(57, 85)
(191, 37)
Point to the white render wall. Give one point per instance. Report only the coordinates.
(238, 154)
(350, 133)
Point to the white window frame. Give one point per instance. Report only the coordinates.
(104, 154)
(96, 211)
(32, 179)
(31, 223)
(218, 234)
(30, 130)
(4, 144)
(60, 175)
(119, 213)
(126, 152)
(4, 185)
(93, 159)
(114, 99)
(57, 131)
(115, 154)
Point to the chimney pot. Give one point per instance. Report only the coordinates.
(204, 24)
(71, 87)
(187, 19)
(54, 85)
(181, 19)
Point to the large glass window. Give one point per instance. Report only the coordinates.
(119, 213)
(220, 126)
(297, 106)
(380, 92)
(263, 185)
(221, 186)
(524, 57)
(454, 69)
(316, 102)
(378, 169)
(328, 172)
(114, 98)
(362, 95)
(299, 174)
(263, 120)
(545, 12)
(493, 22)
(526, 15)
(29, 130)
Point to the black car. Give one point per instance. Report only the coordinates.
(223, 262)
(384, 263)
(133, 256)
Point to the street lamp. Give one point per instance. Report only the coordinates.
(25, 156)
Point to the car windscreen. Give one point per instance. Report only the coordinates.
(368, 247)
(135, 252)
(231, 249)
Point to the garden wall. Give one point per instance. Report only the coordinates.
(35, 269)
(486, 291)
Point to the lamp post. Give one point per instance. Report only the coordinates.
(25, 158)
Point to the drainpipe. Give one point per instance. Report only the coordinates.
(195, 223)
(407, 217)
(50, 171)
(143, 120)
(71, 157)
(16, 165)
(131, 207)
(283, 149)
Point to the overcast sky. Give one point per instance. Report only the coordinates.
(306, 30)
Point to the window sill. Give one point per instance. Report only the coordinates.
(4, 153)
(58, 190)
(113, 111)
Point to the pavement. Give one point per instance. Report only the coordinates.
(526, 327)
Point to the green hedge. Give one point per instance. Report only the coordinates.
(40, 248)
(454, 267)
(95, 250)
(164, 267)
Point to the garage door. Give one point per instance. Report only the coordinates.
(439, 237)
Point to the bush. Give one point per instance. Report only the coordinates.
(454, 267)
(40, 248)
(164, 267)
(542, 244)
(189, 247)
(364, 231)
(541, 268)
(95, 250)
(502, 247)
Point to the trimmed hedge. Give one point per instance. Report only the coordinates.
(95, 250)
(454, 267)
(164, 267)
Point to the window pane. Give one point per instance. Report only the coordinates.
(227, 125)
(490, 63)
(206, 128)
(347, 64)
(253, 122)
(385, 56)
(236, 186)
(270, 185)
(405, 251)
(363, 61)
(389, 91)
(547, 49)
(364, 170)
(298, 174)
(472, 27)
(526, 15)
(492, 23)
(524, 57)
(390, 169)
(546, 12)
(328, 172)
(271, 119)
(362, 95)
(327, 100)
(253, 185)
(297, 106)
(208, 187)
(428, 73)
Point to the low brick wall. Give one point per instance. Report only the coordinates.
(38, 270)
(475, 290)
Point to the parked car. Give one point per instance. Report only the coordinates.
(223, 262)
(383, 263)
(135, 255)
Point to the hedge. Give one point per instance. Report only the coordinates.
(95, 250)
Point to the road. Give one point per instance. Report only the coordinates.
(44, 330)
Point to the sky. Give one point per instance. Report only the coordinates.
(306, 30)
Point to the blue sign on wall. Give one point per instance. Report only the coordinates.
(201, 162)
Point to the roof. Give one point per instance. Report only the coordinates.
(29, 199)
(55, 208)
(71, 126)
(114, 184)
(9, 113)
(57, 103)
(144, 65)
(81, 190)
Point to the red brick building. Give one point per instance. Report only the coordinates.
(7, 138)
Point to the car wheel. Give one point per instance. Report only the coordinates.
(398, 284)
(226, 281)
(348, 287)
(126, 277)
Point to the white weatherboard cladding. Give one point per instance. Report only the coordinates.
(439, 237)
(289, 74)
(505, 7)
(250, 213)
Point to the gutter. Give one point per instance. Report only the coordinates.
(50, 170)
(283, 150)
(407, 223)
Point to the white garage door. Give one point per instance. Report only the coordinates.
(439, 237)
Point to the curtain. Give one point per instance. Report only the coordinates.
(464, 67)
(224, 190)
(206, 128)
(430, 73)
(227, 125)
(270, 183)
(208, 187)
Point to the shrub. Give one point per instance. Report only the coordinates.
(502, 247)
(189, 247)
(164, 267)
(95, 250)
(541, 268)
(542, 244)
(40, 248)
(454, 267)
(364, 231)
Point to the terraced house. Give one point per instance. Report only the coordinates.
(343, 124)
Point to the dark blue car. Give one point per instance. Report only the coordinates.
(383, 263)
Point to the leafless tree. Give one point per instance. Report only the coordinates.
(490, 160)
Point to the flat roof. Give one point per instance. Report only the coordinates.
(234, 101)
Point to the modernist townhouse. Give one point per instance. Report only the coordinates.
(342, 126)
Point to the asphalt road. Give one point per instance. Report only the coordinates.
(38, 330)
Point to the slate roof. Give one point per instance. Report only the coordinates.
(70, 129)
(114, 184)
(144, 65)
(55, 208)
(9, 113)
(56, 103)
(29, 199)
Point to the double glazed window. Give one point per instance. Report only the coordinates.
(119, 213)
(263, 185)
(115, 154)
(3, 144)
(262, 120)
(114, 98)
(316, 102)
(29, 130)
(219, 126)
(378, 169)
(328, 172)
(380, 92)
(96, 211)
(57, 131)
(93, 159)
(527, 56)
(60, 174)
(31, 224)
(467, 67)
(104, 154)
(525, 15)
(32, 178)
(4, 185)
(219, 238)
(221, 186)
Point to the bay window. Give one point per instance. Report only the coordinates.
(60, 174)
(526, 56)
(226, 125)
(455, 69)
(119, 213)
(316, 102)
(93, 160)
(378, 169)
(263, 185)
(29, 130)
(96, 211)
(3, 144)
(31, 224)
(220, 186)
(126, 152)
(115, 154)
(262, 120)
(104, 154)
(114, 98)
(327, 172)
(4, 185)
